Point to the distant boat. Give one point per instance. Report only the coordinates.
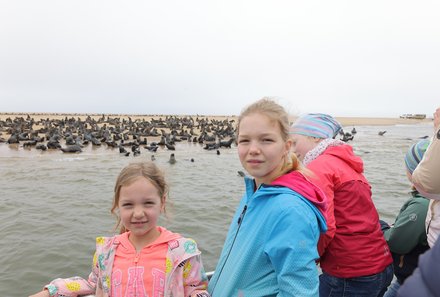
(418, 116)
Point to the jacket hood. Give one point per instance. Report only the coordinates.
(345, 153)
(297, 182)
(164, 237)
(302, 189)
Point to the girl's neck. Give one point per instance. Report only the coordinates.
(139, 242)
(269, 179)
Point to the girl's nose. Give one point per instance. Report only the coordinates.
(254, 148)
(138, 211)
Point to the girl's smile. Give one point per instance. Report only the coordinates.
(254, 161)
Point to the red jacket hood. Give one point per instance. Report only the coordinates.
(345, 153)
(297, 182)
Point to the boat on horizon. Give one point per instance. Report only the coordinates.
(417, 116)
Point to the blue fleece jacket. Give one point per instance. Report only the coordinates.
(271, 246)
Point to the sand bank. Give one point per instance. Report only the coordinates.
(361, 121)
(345, 121)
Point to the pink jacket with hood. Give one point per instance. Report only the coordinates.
(185, 275)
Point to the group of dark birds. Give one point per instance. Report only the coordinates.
(128, 135)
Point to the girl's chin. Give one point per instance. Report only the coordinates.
(144, 234)
(142, 231)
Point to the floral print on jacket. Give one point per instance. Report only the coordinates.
(185, 275)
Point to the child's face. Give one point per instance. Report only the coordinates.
(261, 148)
(140, 206)
(303, 144)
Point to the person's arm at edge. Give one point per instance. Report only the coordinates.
(426, 177)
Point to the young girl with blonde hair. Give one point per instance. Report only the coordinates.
(271, 245)
(144, 259)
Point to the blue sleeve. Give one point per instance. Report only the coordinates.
(292, 250)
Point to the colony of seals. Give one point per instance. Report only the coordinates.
(71, 134)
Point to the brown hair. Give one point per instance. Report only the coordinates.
(276, 113)
(131, 173)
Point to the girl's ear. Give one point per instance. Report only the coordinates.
(316, 139)
(289, 144)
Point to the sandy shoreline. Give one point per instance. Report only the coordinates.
(361, 121)
(345, 121)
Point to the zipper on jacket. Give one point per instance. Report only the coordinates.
(239, 221)
(136, 258)
(242, 215)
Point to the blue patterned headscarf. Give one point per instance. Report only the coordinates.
(415, 154)
(317, 125)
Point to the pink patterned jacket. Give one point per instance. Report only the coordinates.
(185, 275)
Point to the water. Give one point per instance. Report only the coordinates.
(53, 205)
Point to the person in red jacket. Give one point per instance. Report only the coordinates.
(354, 256)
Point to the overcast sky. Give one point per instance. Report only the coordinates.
(346, 58)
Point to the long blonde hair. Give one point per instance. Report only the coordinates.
(276, 113)
(131, 173)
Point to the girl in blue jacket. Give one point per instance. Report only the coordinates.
(271, 245)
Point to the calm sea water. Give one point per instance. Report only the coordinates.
(53, 205)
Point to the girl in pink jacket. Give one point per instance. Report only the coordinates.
(144, 259)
